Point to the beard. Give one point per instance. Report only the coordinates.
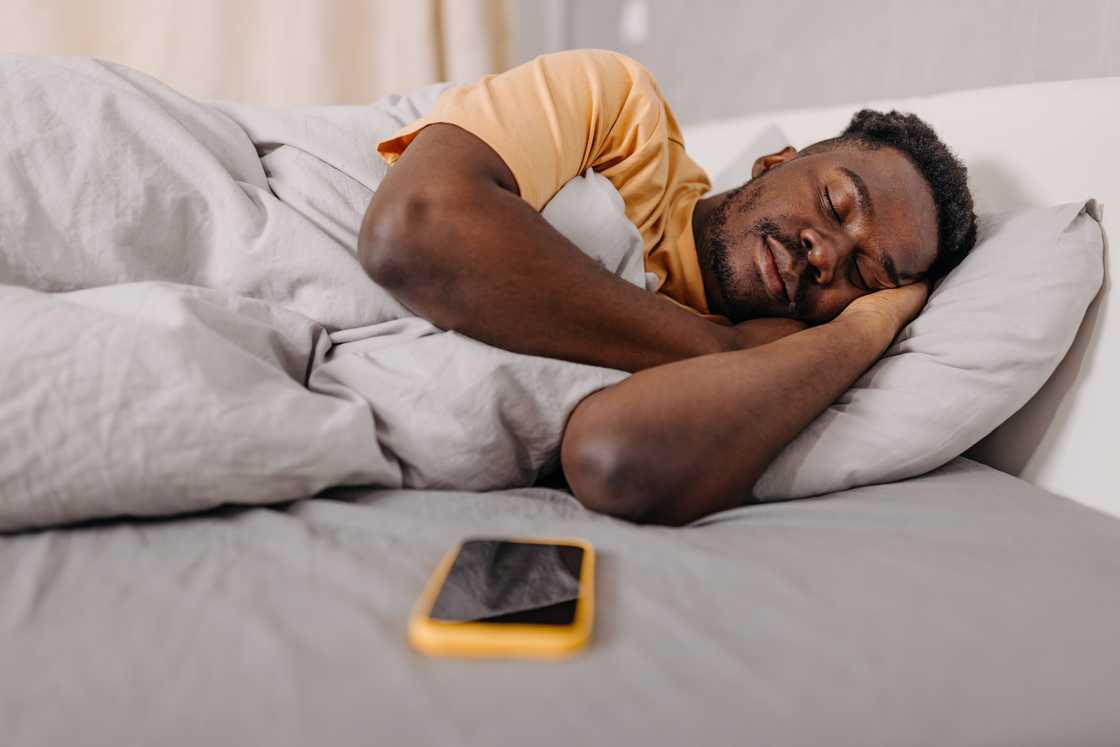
(752, 296)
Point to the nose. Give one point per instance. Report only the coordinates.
(825, 252)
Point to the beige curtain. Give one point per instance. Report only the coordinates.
(276, 52)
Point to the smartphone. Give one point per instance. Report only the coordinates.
(503, 596)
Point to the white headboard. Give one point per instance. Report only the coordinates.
(1030, 145)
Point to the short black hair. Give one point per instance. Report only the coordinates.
(943, 171)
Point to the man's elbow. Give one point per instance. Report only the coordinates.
(609, 472)
(398, 248)
(602, 479)
(392, 237)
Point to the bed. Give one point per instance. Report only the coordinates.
(965, 607)
(968, 606)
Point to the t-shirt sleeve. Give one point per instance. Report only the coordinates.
(552, 118)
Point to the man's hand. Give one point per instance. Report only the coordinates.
(892, 307)
(896, 307)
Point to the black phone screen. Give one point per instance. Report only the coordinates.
(499, 581)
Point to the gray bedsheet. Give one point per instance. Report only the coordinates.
(964, 607)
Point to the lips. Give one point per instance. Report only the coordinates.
(789, 277)
(768, 269)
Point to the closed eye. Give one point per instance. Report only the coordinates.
(835, 215)
(862, 284)
(856, 274)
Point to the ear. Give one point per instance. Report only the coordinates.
(765, 163)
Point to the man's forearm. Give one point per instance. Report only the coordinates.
(514, 282)
(470, 255)
(684, 440)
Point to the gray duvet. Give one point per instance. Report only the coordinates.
(965, 607)
(185, 322)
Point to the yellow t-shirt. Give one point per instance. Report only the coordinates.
(554, 117)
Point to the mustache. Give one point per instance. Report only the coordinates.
(768, 227)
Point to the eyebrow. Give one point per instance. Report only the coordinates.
(863, 197)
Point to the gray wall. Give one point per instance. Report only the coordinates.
(717, 58)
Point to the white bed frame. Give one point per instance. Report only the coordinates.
(1028, 145)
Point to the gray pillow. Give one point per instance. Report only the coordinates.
(992, 333)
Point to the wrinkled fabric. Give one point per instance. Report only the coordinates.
(186, 323)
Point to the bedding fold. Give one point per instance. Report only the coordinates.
(187, 323)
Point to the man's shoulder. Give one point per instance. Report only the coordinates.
(597, 56)
(603, 63)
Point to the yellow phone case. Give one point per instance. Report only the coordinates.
(450, 638)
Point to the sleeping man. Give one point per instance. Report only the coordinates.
(772, 298)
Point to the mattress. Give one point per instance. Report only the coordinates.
(964, 607)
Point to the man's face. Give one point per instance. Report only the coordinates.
(805, 239)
